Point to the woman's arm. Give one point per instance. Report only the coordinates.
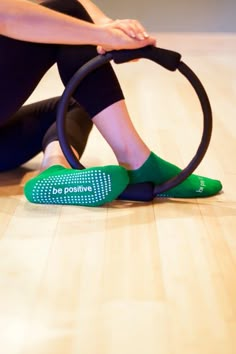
(24, 20)
(28, 21)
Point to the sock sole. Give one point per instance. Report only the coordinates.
(90, 187)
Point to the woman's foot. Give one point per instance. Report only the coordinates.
(157, 171)
(89, 187)
(57, 183)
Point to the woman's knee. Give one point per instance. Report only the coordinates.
(68, 7)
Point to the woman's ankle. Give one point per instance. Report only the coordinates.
(52, 161)
(53, 155)
(134, 160)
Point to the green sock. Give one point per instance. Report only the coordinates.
(157, 171)
(90, 187)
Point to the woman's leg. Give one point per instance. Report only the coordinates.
(78, 128)
(101, 96)
(33, 128)
(58, 184)
(143, 165)
(22, 135)
(18, 80)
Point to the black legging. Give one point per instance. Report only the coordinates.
(22, 66)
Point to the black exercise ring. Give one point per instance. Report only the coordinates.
(169, 60)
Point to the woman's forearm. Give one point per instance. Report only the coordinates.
(27, 21)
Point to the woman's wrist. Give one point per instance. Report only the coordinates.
(103, 20)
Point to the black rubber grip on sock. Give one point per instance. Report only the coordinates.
(166, 58)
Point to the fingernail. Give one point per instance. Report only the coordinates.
(132, 34)
(145, 34)
(140, 36)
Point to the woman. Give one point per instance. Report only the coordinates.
(69, 33)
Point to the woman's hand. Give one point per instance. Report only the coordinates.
(125, 34)
(132, 28)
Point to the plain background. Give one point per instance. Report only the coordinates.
(176, 15)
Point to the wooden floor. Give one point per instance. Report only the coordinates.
(131, 278)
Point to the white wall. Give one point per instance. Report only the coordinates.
(176, 15)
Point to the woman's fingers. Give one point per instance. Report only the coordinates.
(132, 28)
(100, 50)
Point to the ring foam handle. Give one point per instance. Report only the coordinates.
(166, 58)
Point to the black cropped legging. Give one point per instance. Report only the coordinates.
(26, 130)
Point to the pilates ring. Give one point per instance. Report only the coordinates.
(170, 60)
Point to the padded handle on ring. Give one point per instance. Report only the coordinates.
(166, 58)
